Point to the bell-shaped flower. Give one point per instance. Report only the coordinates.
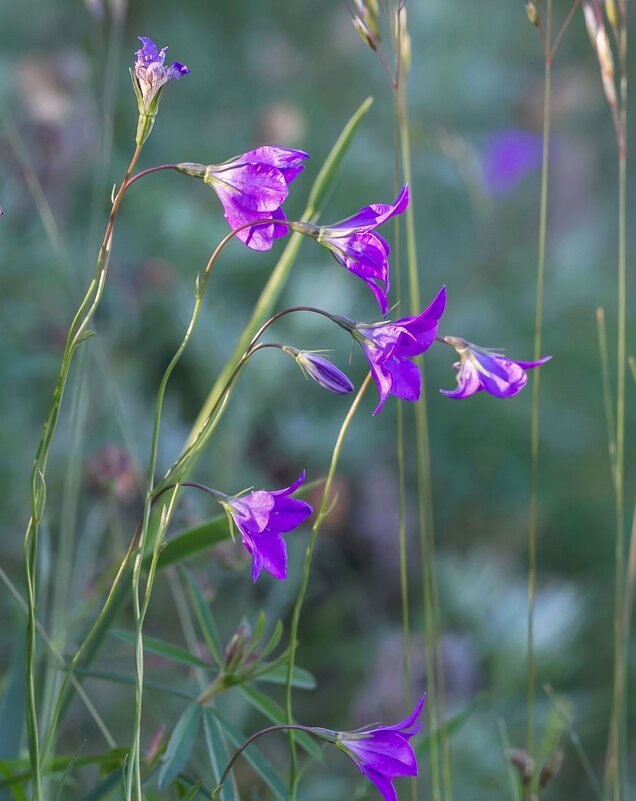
(151, 73)
(254, 187)
(355, 244)
(390, 348)
(382, 753)
(481, 369)
(262, 517)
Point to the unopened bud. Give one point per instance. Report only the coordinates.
(323, 372)
(532, 11)
(235, 649)
(519, 759)
(550, 768)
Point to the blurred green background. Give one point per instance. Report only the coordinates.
(292, 74)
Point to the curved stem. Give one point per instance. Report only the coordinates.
(536, 384)
(78, 327)
(149, 170)
(325, 508)
(249, 741)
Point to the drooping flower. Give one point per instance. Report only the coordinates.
(355, 244)
(390, 348)
(323, 372)
(151, 72)
(382, 753)
(262, 517)
(254, 187)
(481, 369)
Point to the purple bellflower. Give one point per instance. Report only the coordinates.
(355, 244)
(390, 348)
(382, 753)
(151, 73)
(254, 187)
(323, 372)
(481, 369)
(510, 156)
(262, 517)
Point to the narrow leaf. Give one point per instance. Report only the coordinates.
(179, 745)
(302, 678)
(204, 617)
(217, 754)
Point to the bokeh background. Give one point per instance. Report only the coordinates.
(292, 74)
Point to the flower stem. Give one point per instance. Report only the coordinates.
(536, 384)
(281, 727)
(325, 508)
(74, 338)
(427, 545)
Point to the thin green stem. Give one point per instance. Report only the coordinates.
(536, 383)
(325, 508)
(617, 726)
(427, 546)
(77, 329)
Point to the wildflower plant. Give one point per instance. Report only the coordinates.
(252, 189)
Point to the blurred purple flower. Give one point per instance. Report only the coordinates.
(151, 72)
(480, 369)
(262, 517)
(382, 753)
(389, 347)
(354, 243)
(510, 156)
(323, 372)
(254, 187)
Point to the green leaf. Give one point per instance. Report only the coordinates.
(272, 711)
(301, 678)
(204, 617)
(192, 792)
(166, 649)
(273, 640)
(179, 745)
(261, 765)
(17, 771)
(217, 753)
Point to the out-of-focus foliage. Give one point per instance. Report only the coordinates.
(292, 74)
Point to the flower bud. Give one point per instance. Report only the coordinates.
(519, 759)
(323, 372)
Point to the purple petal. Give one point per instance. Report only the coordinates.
(409, 722)
(530, 365)
(255, 187)
(288, 161)
(292, 487)
(252, 512)
(288, 513)
(501, 377)
(405, 379)
(374, 215)
(256, 237)
(467, 382)
(268, 551)
(383, 784)
(364, 254)
(386, 752)
(149, 52)
(177, 70)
